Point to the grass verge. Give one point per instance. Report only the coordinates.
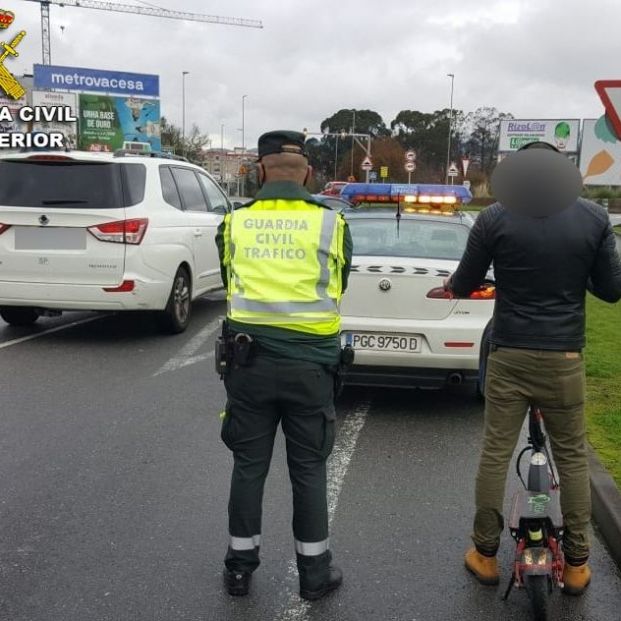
(603, 369)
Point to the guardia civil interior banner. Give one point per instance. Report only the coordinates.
(108, 123)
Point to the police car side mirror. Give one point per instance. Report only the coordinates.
(220, 209)
(237, 204)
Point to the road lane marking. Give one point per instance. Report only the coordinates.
(295, 608)
(30, 337)
(187, 354)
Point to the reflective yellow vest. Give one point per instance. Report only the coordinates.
(285, 266)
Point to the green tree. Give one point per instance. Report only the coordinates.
(427, 134)
(482, 144)
(193, 145)
(358, 121)
(329, 152)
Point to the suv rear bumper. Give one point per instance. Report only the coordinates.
(145, 296)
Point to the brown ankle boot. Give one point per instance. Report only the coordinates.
(576, 578)
(484, 568)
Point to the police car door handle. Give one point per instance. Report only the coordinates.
(198, 233)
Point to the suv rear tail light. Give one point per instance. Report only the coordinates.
(4, 227)
(121, 231)
(484, 292)
(125, 287)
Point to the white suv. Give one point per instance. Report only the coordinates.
(107, 232)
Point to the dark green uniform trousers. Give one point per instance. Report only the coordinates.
(300, 396)
(555, 382)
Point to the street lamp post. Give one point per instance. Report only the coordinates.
(448, 151)
(183, 74)
(222, 156)
(353, 131)
(336, 156)
(243, 131)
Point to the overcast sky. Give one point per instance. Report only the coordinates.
(533, 58)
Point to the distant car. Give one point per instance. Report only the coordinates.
(406, 330)
(106, 232)
(334, 188)
(335, 203)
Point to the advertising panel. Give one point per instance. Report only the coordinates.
(107, 123)
(47, 99)
(600, 156)
(13, 105)
(96, 81)
(563, 133)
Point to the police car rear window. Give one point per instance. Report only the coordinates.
(413, 238)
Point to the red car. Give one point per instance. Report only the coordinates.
(334, 188)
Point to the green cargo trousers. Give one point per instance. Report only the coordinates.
(300, 396)
(555, 382)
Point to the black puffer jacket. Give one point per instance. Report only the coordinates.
(543, 268)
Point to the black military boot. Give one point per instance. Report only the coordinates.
(237, 582)
(318, 576)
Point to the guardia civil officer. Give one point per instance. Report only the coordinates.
(285, 260)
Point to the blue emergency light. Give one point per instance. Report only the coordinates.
(415, 194)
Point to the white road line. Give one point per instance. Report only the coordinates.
(187, 354)
(295, 608)
(30, 337)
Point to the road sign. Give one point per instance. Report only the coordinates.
(384, 172)
(410, 155)
(609, 92)
(367, 164)
(467, 184)
(465, 162)
(453, 171)
(410, 166)
(373, 175)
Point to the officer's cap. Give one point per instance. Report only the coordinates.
(281, 141)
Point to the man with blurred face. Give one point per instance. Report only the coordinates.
(548, 247)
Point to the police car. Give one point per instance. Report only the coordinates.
(405, 328)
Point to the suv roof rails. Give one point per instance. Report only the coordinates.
(161, 154)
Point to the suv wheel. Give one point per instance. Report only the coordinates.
(176, 316)
(18, 315)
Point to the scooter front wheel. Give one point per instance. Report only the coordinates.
(538, 589)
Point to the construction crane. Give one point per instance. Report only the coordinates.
(152, 11)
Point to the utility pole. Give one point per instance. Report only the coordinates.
(183, 148)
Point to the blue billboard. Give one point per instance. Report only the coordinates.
(96, 81)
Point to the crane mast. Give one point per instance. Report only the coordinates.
(130, 8)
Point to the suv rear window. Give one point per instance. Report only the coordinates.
(83, 185)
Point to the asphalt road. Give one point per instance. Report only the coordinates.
(113, 487)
